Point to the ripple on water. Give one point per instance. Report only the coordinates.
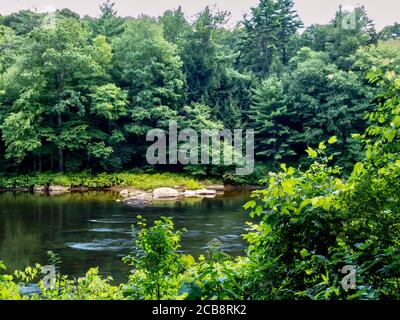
(109, 221)
(109, 230)
(101, 245)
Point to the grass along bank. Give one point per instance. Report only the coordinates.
(143, 181)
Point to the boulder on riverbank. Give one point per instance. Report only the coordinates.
(129, 193)
(124, 193)
(218, 188)
(206, 192)
(190, 194)
(58, 189)
(40, 188)
(165, 193)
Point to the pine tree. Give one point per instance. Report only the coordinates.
(176, 27)
(268, 30)
(270, 117)
(390, 32)
(289, 24)
(108, 24)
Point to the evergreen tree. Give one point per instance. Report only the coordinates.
(268, 30)
(176, 27)
(390, 32)
(347, 32)
(327, 102)
(271, 117)
(23, 22)
(108, 24)
(199, 56)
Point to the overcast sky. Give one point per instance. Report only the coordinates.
(383, 12)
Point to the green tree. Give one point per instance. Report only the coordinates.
(272, 119)
(176, 27)
(109, 23)
(390, 32)
(384, 56)
(150, 69)
(23, 22)
(200, 55)
(63, 66)
(327, 102)
(268, 31)
(347, 32)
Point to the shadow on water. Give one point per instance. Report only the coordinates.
(93, 229)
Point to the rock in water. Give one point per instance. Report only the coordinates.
(205, 192)
(58, 189)
(139, 200)
(216, 187)
(165, 193)
(124, 193)
(190, 194)
(40, 188)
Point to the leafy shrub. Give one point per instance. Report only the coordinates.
(144, 181)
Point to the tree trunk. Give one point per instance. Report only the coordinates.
(284, 55)
(60, 150)
(40, 162)
(60, 160)
(265, 47)
(60, 89)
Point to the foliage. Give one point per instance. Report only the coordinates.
(268, 31)
(315, 223)
(269, 116)
(144, 181)
(83, 94)
(157, 265)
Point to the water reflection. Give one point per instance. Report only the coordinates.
(92, 229)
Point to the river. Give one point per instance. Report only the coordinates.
(93, 229)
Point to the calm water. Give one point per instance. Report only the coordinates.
(92, 229)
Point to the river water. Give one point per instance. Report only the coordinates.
(93, 229)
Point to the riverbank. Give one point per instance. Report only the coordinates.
(50, 182)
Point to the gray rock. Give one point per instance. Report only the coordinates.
(40, 188)
(165, 193)
(124, 193)
(58, 189)
(216, 187)
(205, 192)
(190, 194)
(138, 199)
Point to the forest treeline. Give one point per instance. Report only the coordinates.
(318, 236)
(80, 93)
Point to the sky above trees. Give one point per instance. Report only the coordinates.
(383, 12)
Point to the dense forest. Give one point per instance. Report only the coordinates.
(324, 102)
(80, 94)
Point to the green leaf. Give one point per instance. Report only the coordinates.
(312, 153)
(332, 140)
(304, 253)
(258, 210)
(250, 204)
(389, 134)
